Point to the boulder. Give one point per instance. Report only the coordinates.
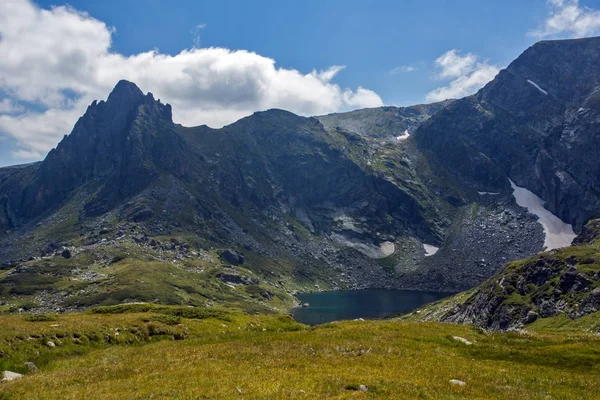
(32, 367)
(10, 376)
(231, 257)
(236, 279)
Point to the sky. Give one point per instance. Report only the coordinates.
(218, 61)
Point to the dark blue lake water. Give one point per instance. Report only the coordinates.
(372, 303)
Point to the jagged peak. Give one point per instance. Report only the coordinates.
(124, 91)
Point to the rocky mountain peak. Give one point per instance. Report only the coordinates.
(120, 144)
(125, 92)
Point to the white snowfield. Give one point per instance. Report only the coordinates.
(430, 250)
(558, 233)
(538, 87)
(405, 135)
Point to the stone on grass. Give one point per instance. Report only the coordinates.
(363, 388)
(462, 340)
(51, 344)
(457, 382)
(10, 376)
(32, 367)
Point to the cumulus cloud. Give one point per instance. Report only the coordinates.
(467, 73)
(58, 60)
(402, 68)
(568, 19)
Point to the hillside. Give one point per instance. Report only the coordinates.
(153, 352)
(550, 290)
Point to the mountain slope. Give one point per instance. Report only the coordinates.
(276, 203)
(552, 289)
(383, 122)
(536, 123)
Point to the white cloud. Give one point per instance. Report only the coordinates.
(453, 65)
(568, 19)
(8, 106)
(402, 68)
(60, 60)
(468, 74)
(196, 34)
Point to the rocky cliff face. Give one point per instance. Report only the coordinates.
(536, 123)
(561, 282)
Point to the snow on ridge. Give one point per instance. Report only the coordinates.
(430, 250)
(488, 193)
(537, 87)
(557, 233)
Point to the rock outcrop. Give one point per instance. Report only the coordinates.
(565, 281)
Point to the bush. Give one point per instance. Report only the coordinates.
(164, 319)
(123, 308)
(40, 318)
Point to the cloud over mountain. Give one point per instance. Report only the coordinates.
(54, 62)
(467, 73)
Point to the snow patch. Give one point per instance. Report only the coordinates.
(430, 250)
(557, 233)
(370, 250)
(488, 193)
(405, 135)
(537, 87)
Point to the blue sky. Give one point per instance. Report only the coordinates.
(370, 40)
(311, 57)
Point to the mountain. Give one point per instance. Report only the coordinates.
(383, 122)
(536, 123)
(131, 206)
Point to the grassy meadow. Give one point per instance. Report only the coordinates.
(155, 352)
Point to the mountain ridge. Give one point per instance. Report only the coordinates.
(329, 202)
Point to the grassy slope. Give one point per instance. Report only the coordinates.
(274, 357)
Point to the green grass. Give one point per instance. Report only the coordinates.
(129, 276)
(120, 352)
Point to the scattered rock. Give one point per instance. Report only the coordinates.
(530, 317)
(66, 253)
(457, 382)
(363, 388)
(10, 376)
(32, 367)
(236, 279)
(51, 344)
(462, 340)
